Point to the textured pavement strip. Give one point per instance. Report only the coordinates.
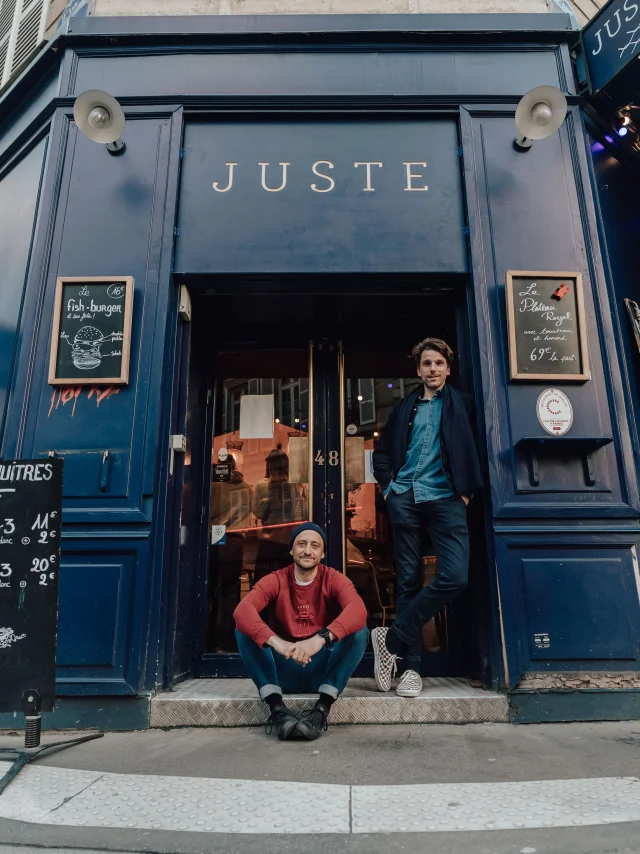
(64, 797)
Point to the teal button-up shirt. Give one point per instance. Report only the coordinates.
(422, 467)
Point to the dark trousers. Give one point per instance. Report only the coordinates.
(446, 520)
(328, 671)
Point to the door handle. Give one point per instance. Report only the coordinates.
(104, 472)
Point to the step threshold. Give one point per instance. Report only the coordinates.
(234, 703)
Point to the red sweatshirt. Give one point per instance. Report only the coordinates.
(296, 612)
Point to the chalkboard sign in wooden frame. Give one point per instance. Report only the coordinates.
(547, 326)
(91, 334)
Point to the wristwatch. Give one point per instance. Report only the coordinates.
(324, 634)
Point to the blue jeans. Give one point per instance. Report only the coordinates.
(446, 520)
(328, 671)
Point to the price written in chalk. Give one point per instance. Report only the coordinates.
(549, 354)
(30, 528)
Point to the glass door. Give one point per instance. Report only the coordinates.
(259, 477)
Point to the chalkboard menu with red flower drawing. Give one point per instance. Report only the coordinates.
(547, 326)
(91, 335)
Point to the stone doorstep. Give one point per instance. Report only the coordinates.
(233, 703)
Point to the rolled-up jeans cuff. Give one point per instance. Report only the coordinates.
(267, 690)
(330, 690)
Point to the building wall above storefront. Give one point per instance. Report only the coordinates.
(314, 7)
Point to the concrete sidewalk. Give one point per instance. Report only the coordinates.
(369, 761)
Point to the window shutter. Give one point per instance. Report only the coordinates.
(368, 403)
(22, 25)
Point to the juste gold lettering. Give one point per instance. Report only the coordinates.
(368, 163)
(412, 176)
(226, 189)
(328, 178)
(264, 177)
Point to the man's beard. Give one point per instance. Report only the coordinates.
(306, 568)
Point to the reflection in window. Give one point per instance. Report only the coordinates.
(259, 488)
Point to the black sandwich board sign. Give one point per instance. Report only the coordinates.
(30, 523)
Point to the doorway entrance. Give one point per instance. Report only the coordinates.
(298, 390)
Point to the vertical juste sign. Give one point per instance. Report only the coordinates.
(91, 335)
(30, 522)
(611, 40)
(547, 326)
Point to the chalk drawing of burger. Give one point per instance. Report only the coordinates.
(85, 351)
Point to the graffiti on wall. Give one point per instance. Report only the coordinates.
(70, 394)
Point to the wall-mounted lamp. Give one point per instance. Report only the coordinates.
(539, 114)
(100, 118)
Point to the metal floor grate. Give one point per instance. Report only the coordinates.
(234, 702)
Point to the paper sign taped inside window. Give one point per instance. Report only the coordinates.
(256, 416)
(218, 535)
(368, 467)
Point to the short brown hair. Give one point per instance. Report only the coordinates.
(436, 344)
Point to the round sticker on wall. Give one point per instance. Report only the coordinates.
(352, 429)
(223, 454)
(555, 412)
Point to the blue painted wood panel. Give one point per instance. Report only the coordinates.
(19, 193)
(449, 72)
(529, 212)
(576, 601)
(27, 111)
(579, 607)
(104, 584)
(89, 624)
(81, 423)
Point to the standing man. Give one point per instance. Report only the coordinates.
(427, 466)
(314, 637)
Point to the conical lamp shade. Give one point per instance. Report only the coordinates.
(88, 101)
(549, 96)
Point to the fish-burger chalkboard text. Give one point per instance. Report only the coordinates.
(91, 335)
(547, 326)
(30, 517)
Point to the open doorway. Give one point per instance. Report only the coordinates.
(298, 388)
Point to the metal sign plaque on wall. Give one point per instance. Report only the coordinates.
(30, 521)
(611, 40)
(555, 412)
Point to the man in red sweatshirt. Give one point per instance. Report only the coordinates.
(314, 637)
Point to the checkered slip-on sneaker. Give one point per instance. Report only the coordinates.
(384, 667)
(410, 684)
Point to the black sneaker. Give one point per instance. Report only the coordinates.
(284, 722)
(312, 723)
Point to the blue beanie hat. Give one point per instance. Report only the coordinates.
(308, 526)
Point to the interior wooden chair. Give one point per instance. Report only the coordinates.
(364, 578)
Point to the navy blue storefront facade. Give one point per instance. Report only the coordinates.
(355, 160)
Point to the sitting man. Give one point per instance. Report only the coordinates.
(314, 639)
